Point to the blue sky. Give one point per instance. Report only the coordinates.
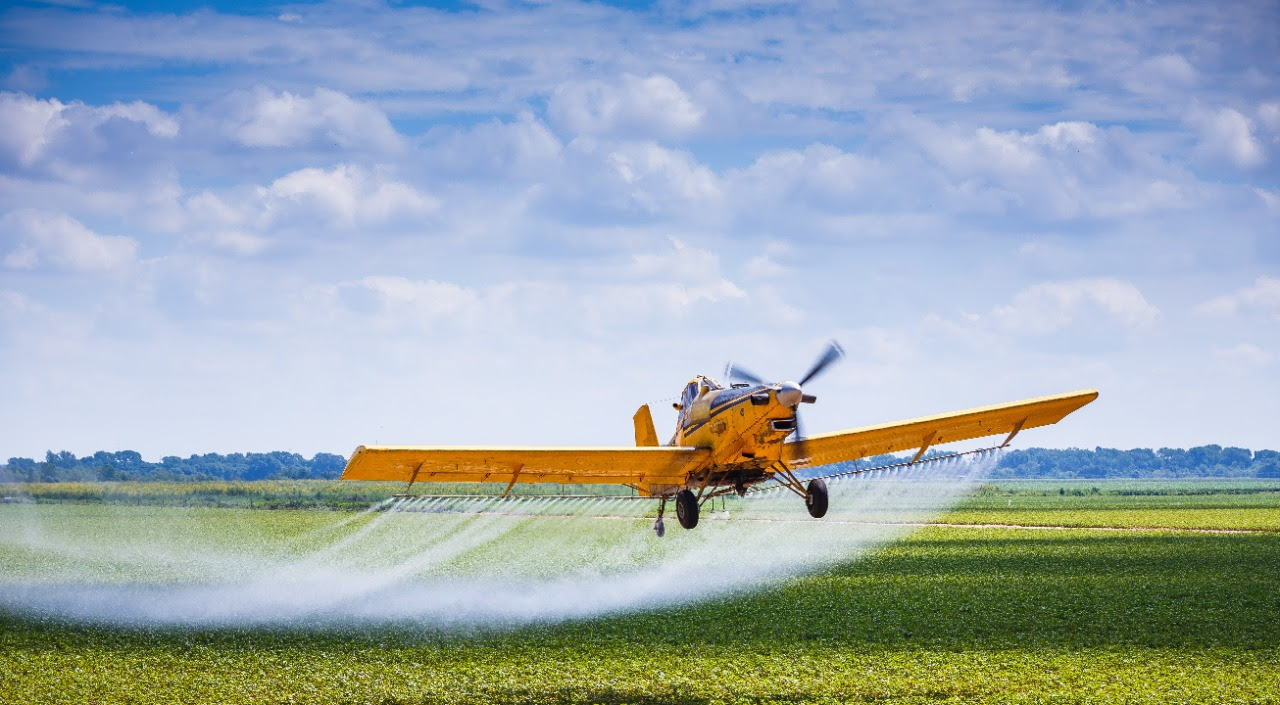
(307, 226)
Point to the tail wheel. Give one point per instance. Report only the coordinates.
(687, 509)
(659, 528)
(815, 499)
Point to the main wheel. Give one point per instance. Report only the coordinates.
(687, 509)
(816, 498)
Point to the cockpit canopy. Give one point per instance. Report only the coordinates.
(697, 387)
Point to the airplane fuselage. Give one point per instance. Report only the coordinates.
(744, 427)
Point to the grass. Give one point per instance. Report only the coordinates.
(951, 614)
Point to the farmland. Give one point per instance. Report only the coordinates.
(965, 613)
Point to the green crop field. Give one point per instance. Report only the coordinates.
(1126, 612)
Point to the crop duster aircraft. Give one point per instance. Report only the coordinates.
(727, 439)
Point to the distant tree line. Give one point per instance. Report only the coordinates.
(1099, 463)
(129, 465)
(1104, 463)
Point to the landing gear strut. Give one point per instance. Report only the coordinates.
(687, 509)
(816, 498)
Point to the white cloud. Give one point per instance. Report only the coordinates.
(28, 124)
(1053, 306)
(400, 299)
(262, 118)
(919, 170)
(348, 194)
(1062, 170)
(300, 207)
(632, 106)
(43, 240)
(209, 208)
(634, 178)
(1263, 297)
(158, 123)
(522, 149)
(680, 262)
(30, 128)
(659, 299)
(227, 227)
(236, 242)
(677, 282)
(1244, 355)
(822, 190)
(1227, 135)
(644, 165)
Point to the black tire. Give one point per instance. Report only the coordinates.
(659, 528)
(816, 499)
(687, 509)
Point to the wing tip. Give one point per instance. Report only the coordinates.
(1085, 396)
(351, 462)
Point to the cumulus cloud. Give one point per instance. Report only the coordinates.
(262, 118)
(521, 149)
(1062, 170)
(671, 282)
(56, 241)
(607, 178)
(1085, 318)
(1263, 296)
(34, 128)
(655, 172)
(346, 195)
(632, 106)
(311, 202)
(1052, 306)
(28, 124)
(820, 178)
(916, 174)
(1227, 135)
(655, 288)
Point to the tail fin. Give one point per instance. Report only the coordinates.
(645, 433)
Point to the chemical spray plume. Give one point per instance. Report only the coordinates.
(445, 563)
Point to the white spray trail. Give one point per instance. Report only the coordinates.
(465, 562)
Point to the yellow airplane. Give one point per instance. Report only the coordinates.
(726, 440)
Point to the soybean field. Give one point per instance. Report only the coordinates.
(1032, 592)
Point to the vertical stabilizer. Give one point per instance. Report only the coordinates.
(645, 433)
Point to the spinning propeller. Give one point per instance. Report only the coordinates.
(792, 393)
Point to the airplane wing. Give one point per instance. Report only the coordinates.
(919, 434)
(624, 465)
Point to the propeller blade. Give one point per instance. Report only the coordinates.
(834, 352)
(733, 371)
